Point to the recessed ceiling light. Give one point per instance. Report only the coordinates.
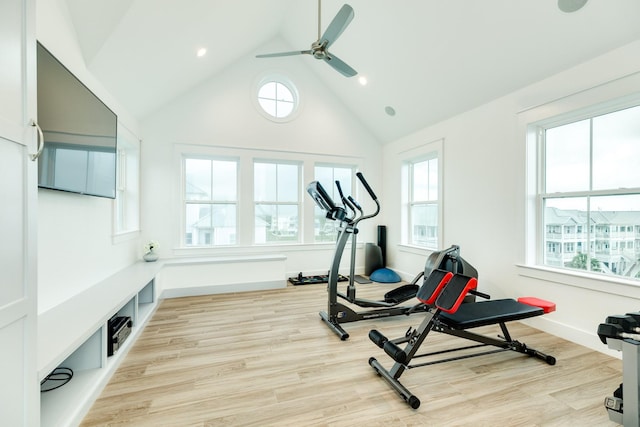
(362, 80)
(201, 52)
(569, 6)
(390, 110)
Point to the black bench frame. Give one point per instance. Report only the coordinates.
(444, 293)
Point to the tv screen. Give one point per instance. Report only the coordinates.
(80, 133)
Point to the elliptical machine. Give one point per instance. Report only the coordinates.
(337, 312)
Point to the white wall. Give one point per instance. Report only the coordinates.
(75, 243)
(221, 112)
(484, 194)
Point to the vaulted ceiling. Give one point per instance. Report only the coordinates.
(427, 59)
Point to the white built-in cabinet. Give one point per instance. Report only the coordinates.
(74, 335)
(19, 393)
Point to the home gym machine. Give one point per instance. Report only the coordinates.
(338, 313)
(444, 292)
(622, 333)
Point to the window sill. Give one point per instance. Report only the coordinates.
(241, 250)
(590, 281)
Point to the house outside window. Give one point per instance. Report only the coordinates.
(276, 202)
(210, 201)
(589, 193)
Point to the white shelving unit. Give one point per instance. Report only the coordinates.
(74, 335)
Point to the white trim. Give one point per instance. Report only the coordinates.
(615, 285)
(222, 289)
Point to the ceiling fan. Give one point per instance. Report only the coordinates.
(320, 48)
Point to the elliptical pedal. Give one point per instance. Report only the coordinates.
(401, 294)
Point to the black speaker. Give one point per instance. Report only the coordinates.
(382, 242)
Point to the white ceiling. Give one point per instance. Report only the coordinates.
(428, 59)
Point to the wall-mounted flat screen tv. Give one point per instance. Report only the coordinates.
(80, 133)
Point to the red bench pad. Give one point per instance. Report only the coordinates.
(453, 294)
(547, 306)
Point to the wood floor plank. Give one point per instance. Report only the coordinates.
(265, 358)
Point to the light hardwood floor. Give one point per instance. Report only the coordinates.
(265, 358)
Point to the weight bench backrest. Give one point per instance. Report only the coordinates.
(433, 285)
(454, 292)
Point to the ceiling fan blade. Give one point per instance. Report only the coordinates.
(339, 65)
(338, 25)
(295, 52)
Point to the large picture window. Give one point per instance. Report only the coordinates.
(234, 198)
(210, 201)
(277, 202)
(589, 194)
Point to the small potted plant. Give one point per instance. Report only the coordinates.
(150, 254)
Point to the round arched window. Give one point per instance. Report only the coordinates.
(277, 98)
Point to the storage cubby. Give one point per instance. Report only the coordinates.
(74, 335)
(146, 302)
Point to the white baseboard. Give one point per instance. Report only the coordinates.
(584, 338)
(221, 289)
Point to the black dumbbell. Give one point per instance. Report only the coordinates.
(612, 330)
(628, 322)
(635, 315)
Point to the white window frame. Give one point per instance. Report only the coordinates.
(587, 194)
(126, 208)
(246, 157)
(616, 95)
(185, 201)
(428, 151)
(298, 204)
(279, 78)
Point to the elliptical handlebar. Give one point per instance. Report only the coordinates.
(366, 186)
(325, 202)
(346, 201)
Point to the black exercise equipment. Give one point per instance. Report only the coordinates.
(313, 280)
(445, 292)
(338, 313)
(622, 333)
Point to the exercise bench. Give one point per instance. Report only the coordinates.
(444, 292)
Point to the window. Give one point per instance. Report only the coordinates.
(277, 202)
(234, 198)
(210, 201)
(326, 230)
(589, 193)
(127, 205)
(421, 199)
(277, 98)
